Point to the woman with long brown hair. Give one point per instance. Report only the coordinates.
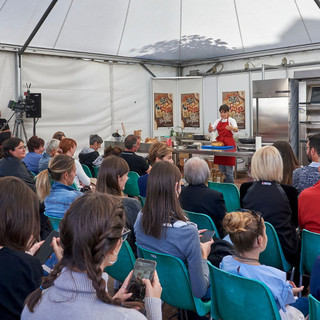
(163, 227)
(290, 161)
(91, 235)
(112, 178)
(20, 272)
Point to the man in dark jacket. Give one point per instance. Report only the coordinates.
(88, 155)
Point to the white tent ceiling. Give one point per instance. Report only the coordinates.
(176, 30)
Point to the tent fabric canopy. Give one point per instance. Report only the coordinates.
(174, 30)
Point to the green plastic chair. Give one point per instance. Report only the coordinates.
(142, 200)
(230, 192)
(175, 282)
(74, 186)
(273, 255)
(314, 308)
(132, 187)
(87, 170)
(310, 250)
(54, 222)
(124, 264)
(237, 298)
(96, 171)
(203, 221)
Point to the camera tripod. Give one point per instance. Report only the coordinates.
(19, 126)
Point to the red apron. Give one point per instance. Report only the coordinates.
(225, 136)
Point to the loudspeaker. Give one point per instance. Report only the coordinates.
(36, 112)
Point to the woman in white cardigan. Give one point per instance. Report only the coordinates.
(69, 147)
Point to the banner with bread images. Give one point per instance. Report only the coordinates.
(236, 102)
(163, 110)
(190, 110)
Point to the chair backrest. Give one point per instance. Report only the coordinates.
(96, 171)
(237, 298)
(310, 250)
(174, 279)
(132, 188)
(273, 255)
(203, 221)
(124, 264)
(314, 308)
(230, 192)
(87, 170)
(142, 200)
(54, 222)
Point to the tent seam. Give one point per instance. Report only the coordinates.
(64, 21)
(303, 22)
(124, 27)
(236, 10)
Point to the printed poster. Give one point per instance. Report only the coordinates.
(163, 110)
(236, 101)
(190, 115)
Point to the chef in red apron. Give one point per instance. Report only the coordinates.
(225, 126)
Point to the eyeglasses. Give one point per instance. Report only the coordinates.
(21, 148)
(125, 234)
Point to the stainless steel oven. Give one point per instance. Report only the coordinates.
(309, 114)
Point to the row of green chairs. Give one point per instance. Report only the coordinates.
(233, 297)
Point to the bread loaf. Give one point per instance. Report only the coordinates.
(217, 144)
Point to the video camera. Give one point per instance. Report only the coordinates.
(23, 105)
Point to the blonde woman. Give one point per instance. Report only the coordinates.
(248, 234)
(58, 196)
(276, 202)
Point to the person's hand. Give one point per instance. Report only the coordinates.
(35, 247)
(210, 129)
(122, 293)
(201, 231)
(93, 181)
(55, 244)
(295, 289)
(229, 128)
(153, 289)
(206, 249)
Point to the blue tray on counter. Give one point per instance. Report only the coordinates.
(218, 147)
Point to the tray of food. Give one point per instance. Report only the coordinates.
(218, 147)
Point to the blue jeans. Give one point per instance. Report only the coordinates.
(228, 172)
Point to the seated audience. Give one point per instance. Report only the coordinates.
(308, 208)
(69, 147)
(13, 151)
(162, 226)
(20, 272)
(88, 155)
(197, 197)
(276, 202)
(290, 161)
(77, 286)
(59, 135)
(108, 151)
(157, 152)
(248, 234)
(112, 178)
(307, 176)
(35, 147)
(58, 196)
(136, 163)
(50, 149)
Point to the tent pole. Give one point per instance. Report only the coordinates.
(35, 30)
